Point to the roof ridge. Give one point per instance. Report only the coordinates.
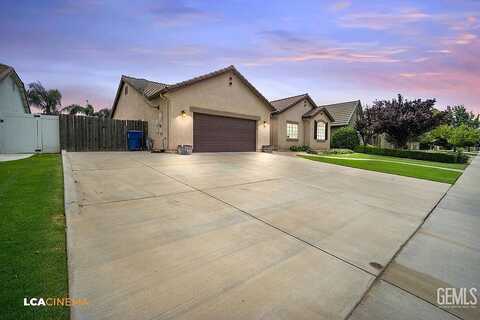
(333, 104)
(161, 83)
(230, 67)
(300, 95)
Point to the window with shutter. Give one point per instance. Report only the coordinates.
(321, 130)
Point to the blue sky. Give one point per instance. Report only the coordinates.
(334, 50)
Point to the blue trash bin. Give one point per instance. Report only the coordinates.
(134, 140)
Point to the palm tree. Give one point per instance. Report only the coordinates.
(46, 100)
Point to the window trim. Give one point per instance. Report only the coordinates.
(316, 130)
(293, 123)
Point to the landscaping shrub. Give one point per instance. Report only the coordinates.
(345, 138)
(299, 148)
(456, 157)
(338, 151)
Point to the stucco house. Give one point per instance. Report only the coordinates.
(13, 97)
(298, 121)
(344, 113)
(216, 112)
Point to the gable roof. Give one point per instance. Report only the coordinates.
(314, 111)
(342, 112)
(284, 104)
(6, 71)
(151, 89)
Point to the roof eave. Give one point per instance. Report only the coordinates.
(213, 74)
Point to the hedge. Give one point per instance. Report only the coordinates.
(457, 157)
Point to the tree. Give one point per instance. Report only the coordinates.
(103, 113)
(403, 120)
(88, 110)
(367, 124)
(46, 100)
(438, 136)
(464, 136)
(458, 115)
(75, 109)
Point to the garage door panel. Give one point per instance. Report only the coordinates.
(223, 134)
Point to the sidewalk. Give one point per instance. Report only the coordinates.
(444, 253)
(14, 156)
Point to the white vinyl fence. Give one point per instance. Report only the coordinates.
(28, 133)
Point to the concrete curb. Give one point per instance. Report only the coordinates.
(71, 209)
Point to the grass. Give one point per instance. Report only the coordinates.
(460, 166)
(32, 237)
(402, 167)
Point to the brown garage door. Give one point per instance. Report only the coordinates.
(223, 134)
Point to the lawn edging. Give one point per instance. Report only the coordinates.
(71, 208)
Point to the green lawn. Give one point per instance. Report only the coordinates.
(404, 167)
(460, 166)
(32, 237)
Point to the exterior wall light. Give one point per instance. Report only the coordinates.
(264, 123)
(184, 114)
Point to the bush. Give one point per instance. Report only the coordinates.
(456, 157)
(299, 148)
(345, 138)
(338, 151)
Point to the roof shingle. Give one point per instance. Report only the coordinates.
(342, 112)
(144, 86)
(285, 103)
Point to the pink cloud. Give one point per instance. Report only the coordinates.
(465, 38)
(383, 20)
(341, 5)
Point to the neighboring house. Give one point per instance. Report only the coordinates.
(13, 97)
(344, 113)
(298, 121)
(21, 131)
(215, 112)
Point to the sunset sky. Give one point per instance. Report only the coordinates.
(334, 50)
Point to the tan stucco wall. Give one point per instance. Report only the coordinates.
(134, 107)
(214, 94)
(309, 127)
(294, 114)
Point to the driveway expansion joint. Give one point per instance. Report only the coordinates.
(380, 275)
(265, 222)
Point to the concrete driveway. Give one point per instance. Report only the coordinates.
(231, 236)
